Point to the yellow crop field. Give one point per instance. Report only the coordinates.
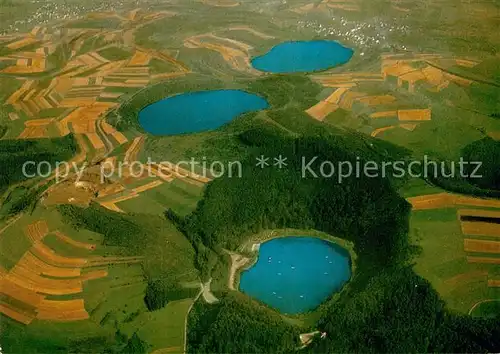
(397, 69)
(445, 200)
(336, 95)
(432, 201)
(70, 241)
(15, 314)
(473, 245)
(379, 131)
(320, 110)
(29, 280)
(78, 102)
(34, 132)
(111, 204)
(467, 62)
(414, 114)
(494, 283)
(140, 58)
(95, 140)
(384, 114)
(494, 135)
(486, 260)
(479, 212)
(221, 3)
(19, 293)
(22, 43)
(49, 256)
(37, 266)
(349, 98)
(433, 75)
(37, 231)
(67, 310)
(377, 100)
(95, 274)
(480, 229)
(471, 201)
(27, 85)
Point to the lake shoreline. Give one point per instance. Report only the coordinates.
(303, 57)
(247, 256)
(185, 113)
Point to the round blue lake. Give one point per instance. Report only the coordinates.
(296, 274)
(303, 56)
(196, 112)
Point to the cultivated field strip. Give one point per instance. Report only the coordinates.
(483, 246)
(408, 71)
(479, 213)
(72, 242)
(486, 260)
(448, 200)
(480, 229)
(67, 310)
(494, 283)
(87, 81)
(42, 272)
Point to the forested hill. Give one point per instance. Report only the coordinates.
(365, 210)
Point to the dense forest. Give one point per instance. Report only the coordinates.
(480, 175)
(365, 210)
(238, 324)
(398, 311)
(487, 153)
(15, 153)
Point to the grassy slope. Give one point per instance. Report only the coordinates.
(115, 303)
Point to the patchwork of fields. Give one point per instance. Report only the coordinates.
(460, 241)
(55, 278)
(70, 78)
(407, 72)
(44, 271)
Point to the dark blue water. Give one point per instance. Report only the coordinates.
(303, 56)
(296, 274)
(197, 111)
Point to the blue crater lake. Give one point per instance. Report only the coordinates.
(296, 274)
(303, 56)
(196, 112)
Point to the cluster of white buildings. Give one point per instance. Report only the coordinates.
(374, 33)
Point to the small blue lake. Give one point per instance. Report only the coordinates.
(303, 56)
(296, 274)
(196, 112)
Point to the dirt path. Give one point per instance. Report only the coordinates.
(237, 261)
(479, 303)
(207, 294)
(306, 338)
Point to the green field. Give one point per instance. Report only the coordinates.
(115, 303)
(442, 260)
(487, 309)
(114, 53)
